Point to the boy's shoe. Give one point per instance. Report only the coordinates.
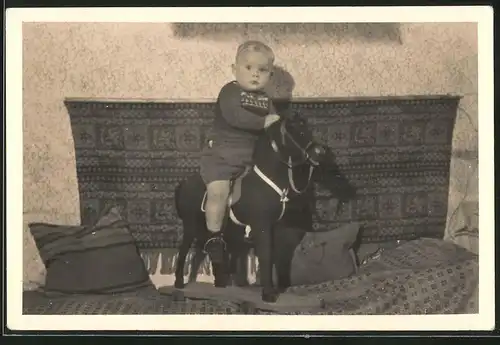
(215, 248)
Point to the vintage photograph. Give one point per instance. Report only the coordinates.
(273, 167)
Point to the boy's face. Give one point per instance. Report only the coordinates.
(253, 70)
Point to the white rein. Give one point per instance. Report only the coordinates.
(291, 180)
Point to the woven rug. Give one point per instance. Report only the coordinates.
(396, 151)
(425, 276)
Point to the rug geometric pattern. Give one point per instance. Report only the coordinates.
(395, 151)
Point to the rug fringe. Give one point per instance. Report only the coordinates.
(164, 261)
(150, 259)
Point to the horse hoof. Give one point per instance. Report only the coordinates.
(270, 297)
(179, 284)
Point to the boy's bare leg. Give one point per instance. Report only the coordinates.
(215, 212)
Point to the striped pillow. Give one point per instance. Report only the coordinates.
(102, 258)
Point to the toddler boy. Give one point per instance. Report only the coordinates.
(243, 110)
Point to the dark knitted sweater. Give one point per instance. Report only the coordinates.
(239, 116)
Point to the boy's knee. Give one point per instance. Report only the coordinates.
(218, 190)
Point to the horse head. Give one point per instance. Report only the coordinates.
(294, 142)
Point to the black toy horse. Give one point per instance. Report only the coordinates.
(296, 222)
(258, 199)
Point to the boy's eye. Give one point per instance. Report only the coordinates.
(249, 67)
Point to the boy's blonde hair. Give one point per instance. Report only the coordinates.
(255, 46)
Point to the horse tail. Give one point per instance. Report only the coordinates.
(177, 193)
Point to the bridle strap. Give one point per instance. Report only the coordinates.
(292, 182)
(284, 133)
(282, 193)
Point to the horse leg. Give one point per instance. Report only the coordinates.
(287, 239)
(187, 240)
(283, 263)
(232, 266)
(237, 266)
(241, 273)
(236, 248)
(196, 261)
(264, 253)
(220, 271)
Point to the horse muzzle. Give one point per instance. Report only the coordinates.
(316, 154)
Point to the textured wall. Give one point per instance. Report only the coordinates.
(114, 60)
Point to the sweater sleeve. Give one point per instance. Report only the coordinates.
(232, 111)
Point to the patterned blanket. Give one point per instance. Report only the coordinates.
(395, 151)
(425, 276)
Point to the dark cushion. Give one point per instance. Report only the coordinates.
(101, 258)
(324, 256)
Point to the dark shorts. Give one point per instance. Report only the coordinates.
(224, 161)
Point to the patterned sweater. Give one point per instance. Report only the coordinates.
(239, 116)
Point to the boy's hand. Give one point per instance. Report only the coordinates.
(270, 119)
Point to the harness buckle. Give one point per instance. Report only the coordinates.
(284, 195)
